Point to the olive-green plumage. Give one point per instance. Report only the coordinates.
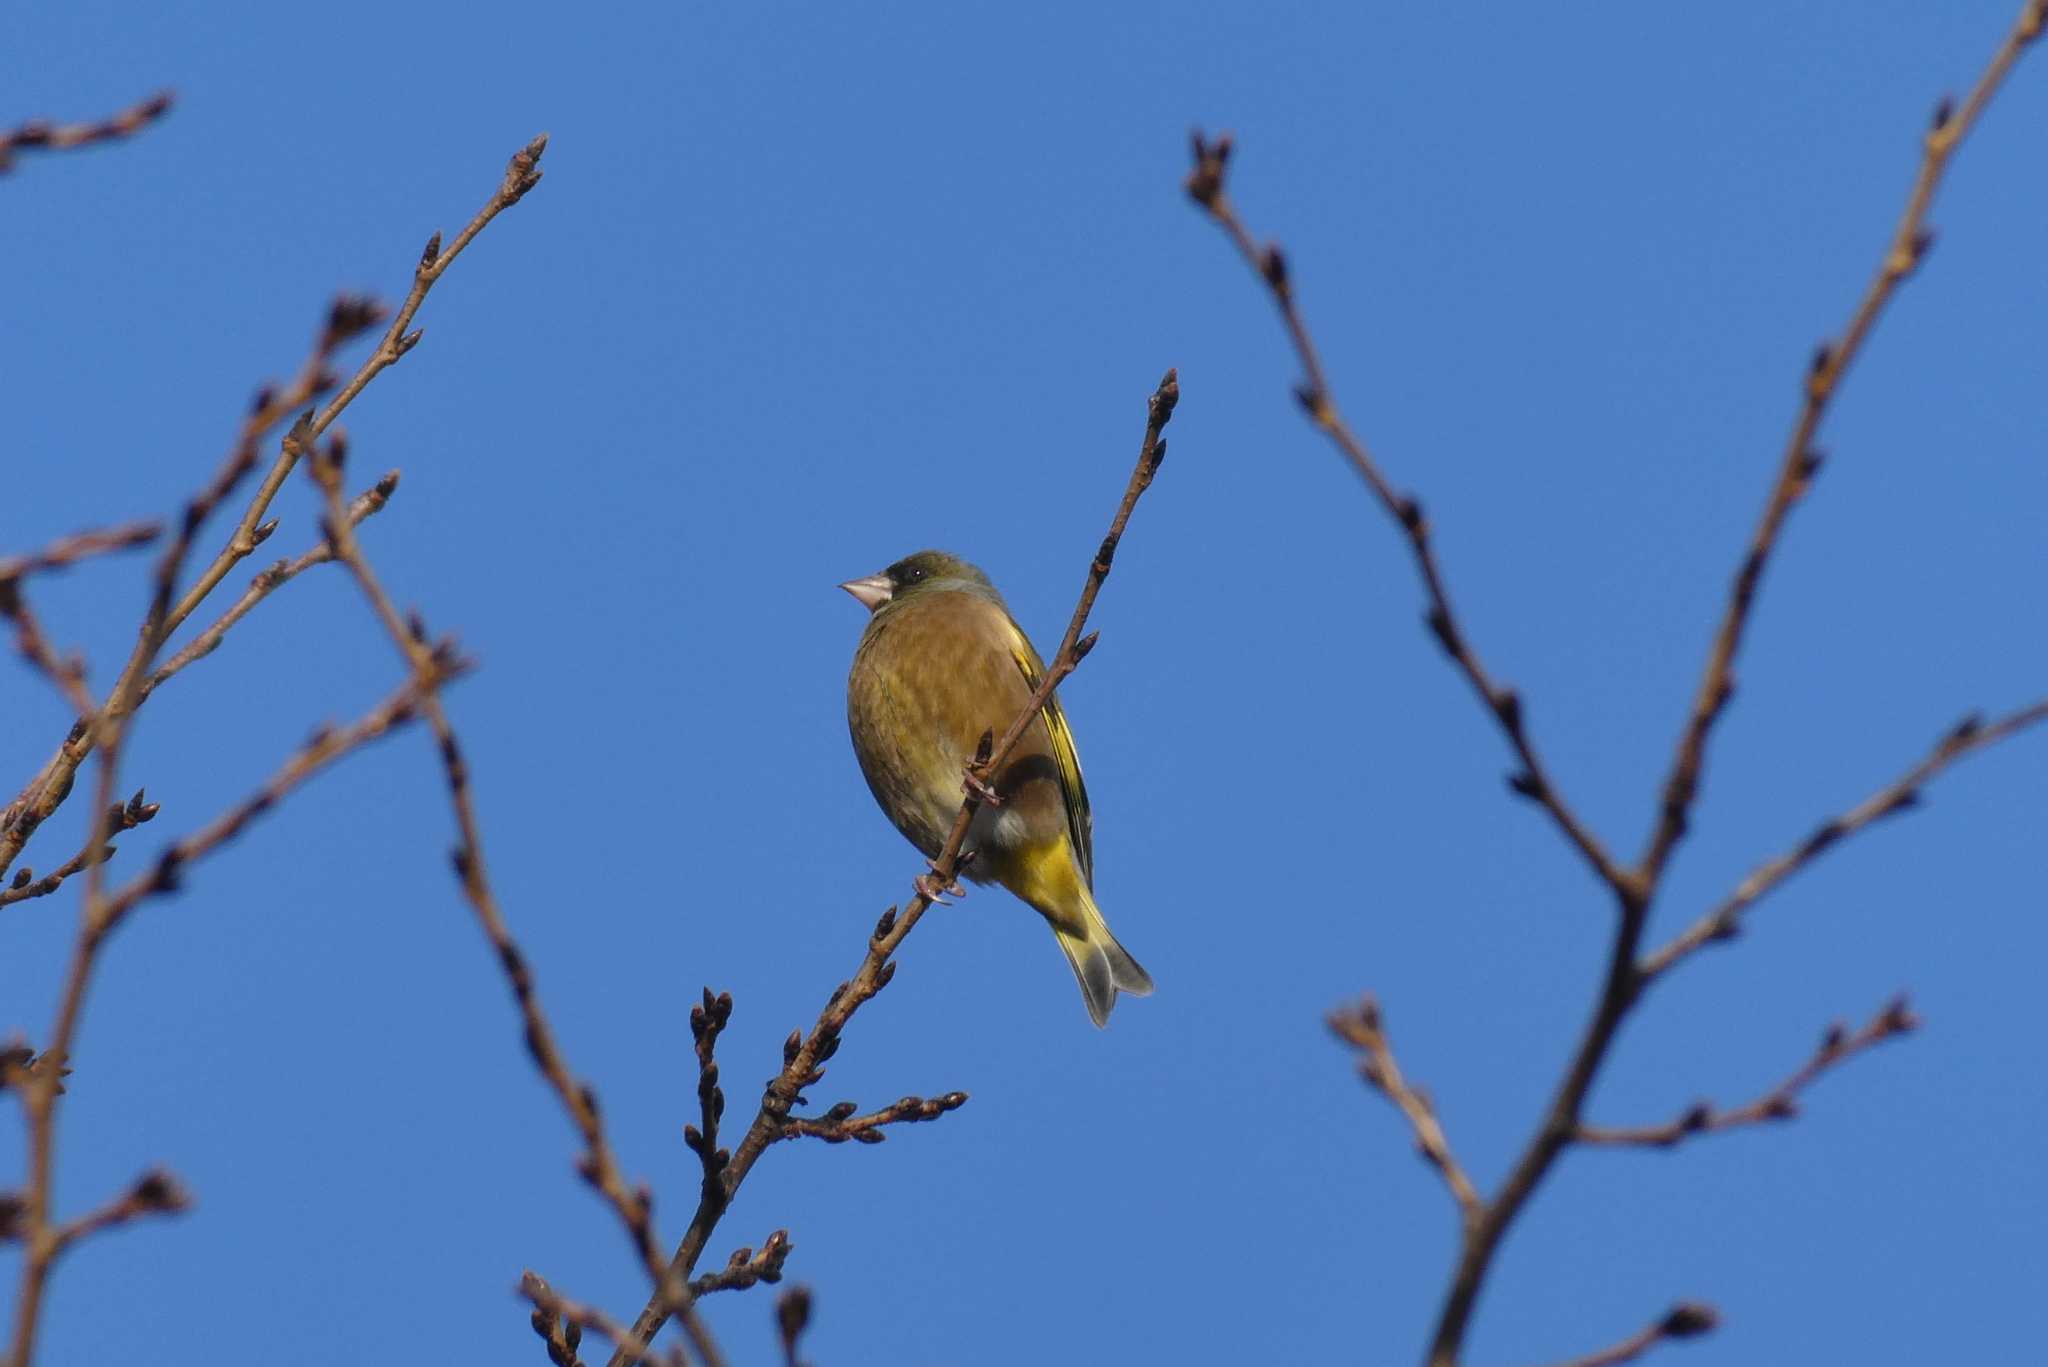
(941, 662)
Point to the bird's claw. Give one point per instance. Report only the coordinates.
(975, 787)
(935, 890)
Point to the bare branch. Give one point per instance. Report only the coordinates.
(1206, 186)
(366, 504)
(1901, 795)
(40, 135)
(840, 1124)
(25, 885)
(70, 550)
(1909, 245)
(1781, 1102)
(804, 1056)
(1635, 887)
(1686, 1320)
(101, 916)
(746, 1268)
(561, 1322)
(1362, 1028)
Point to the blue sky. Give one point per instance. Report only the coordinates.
(806, 289)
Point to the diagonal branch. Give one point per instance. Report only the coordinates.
(1909, 244)
(1205, 185)
(804, 1056)
(1902, 794)
(1361, 1027)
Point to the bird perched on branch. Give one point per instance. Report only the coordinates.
(941, 664)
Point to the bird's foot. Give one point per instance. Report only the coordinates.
(975, 787)
(934, 890)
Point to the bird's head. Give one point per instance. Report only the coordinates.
(923, 572)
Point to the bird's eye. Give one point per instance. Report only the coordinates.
(914, 575)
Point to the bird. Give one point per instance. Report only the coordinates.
(940, 664)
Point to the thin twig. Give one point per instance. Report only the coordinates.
(66, 674)
(102, 915)
(598, 1165)
(1635, 887)
(1902, 794)
(25, 885)
(839, 1124)
(154, 1193)
(1206, 186)
(1909, 244)
(1686, 1320)
(560, 1321)
(803, 1055)
(1362, 1028)
(40, 135)
(747, 1268)
(349, 316)
(366, 504)
(69, 550)
(1780, 1103)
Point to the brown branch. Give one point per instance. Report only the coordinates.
(1831, 361)
(747, 1268)
(154, 1193)
(1363, 1029)
(69, 550)
(1206, 186)
(1686, 1320)
(40, 135)
(102, 915)
(1634, 887)
(840, 1124)
(349, 316)
(1902, 794)
(560, 1322)
(1780, 1103)
(366, 504)
(125, 817)
(597, 1165)
(66, 674)
(804, 1055)
(706, 1023)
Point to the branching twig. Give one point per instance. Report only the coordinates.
(40, 135)
(1831, 361)
(1634, 887)
(840, 1124)
(366, 504)
(127, 817)
(154, 1193)
(71, 549)
(1361, 1027)
(560, 1322)
(102, 915)
(746, 1268)
(1686, 1320)
(803, 1055)
(1781, 1102)
(1724, 921)
(1206, 186)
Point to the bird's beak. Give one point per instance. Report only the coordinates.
(872, 591)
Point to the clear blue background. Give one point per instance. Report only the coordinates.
(809, 287)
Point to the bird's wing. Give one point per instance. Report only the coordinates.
(1080, 823)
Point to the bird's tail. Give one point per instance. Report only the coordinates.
(1101, 965)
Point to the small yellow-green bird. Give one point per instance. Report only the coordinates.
(940, 663)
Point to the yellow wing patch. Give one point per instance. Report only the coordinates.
(1080, 822)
